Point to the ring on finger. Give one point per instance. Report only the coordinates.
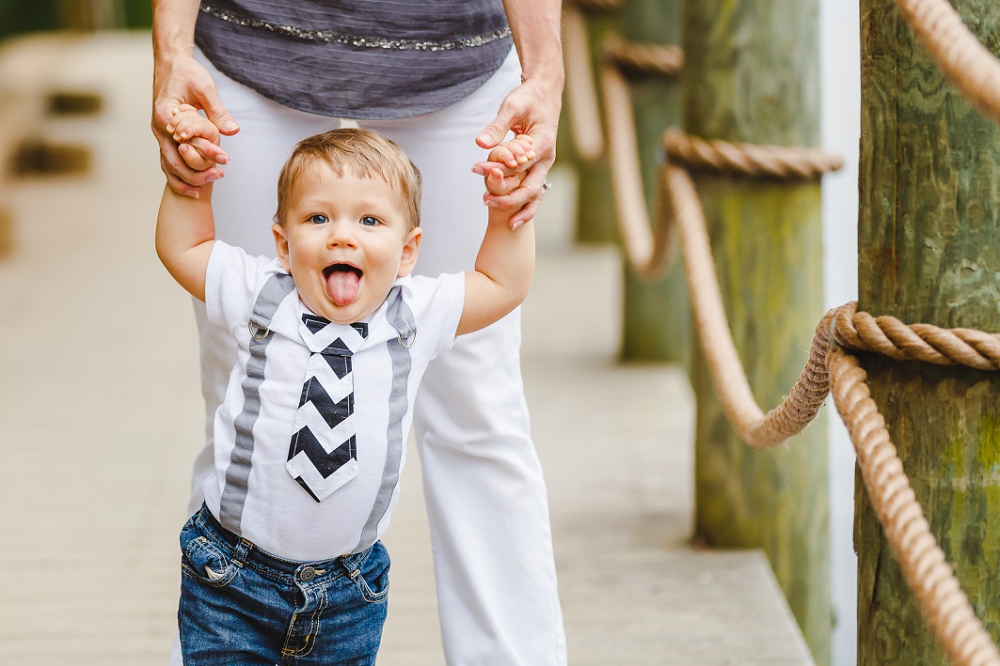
(546, 185)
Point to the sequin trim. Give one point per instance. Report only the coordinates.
(362, 41)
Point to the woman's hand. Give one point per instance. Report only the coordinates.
(532, 109)
(176, 82)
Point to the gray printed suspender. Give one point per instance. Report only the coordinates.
(400, 318)
(234, 493)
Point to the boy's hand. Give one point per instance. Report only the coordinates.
(514, 155)
(197, 138)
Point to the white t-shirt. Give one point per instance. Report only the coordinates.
(252, 493)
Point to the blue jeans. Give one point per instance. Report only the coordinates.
(243, 606)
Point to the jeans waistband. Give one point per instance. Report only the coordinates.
(278, 567)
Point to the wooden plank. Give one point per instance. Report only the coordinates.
(929, 251)
(751, 74)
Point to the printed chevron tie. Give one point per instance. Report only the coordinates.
(322, 455)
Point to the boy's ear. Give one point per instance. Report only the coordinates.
(411, 247)
(281, 246)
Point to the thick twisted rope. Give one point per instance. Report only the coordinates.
(747, 159)
(920, 342)
(648, 59)
(751, 424)
(649, 253)
(942, 601)
(585, 115)
(956, 51)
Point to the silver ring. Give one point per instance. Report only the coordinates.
(413, 340)
(255, 330)
(546, 185)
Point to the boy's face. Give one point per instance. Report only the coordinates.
(345, 241)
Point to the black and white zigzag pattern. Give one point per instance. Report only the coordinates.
(322, 455)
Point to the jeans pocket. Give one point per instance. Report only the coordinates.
(372, 576)
(205, 561)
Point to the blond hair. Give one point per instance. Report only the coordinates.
(361, 152)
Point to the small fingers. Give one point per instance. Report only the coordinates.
(483, 168)
(514, 153)
(499, 184)
(515, 199)
(173, 164)
(189, 125)
(504, 155)
(183, 108)
(210, 151)
(194, 158)
(530, 189)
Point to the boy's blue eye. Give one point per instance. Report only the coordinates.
(369, 221)
(318, 219)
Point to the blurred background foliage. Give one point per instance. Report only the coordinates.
(21, 16)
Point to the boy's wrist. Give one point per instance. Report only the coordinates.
(500, 216)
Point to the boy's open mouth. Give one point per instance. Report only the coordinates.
(342, 283)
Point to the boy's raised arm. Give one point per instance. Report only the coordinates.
(504, 266)
(185, 233)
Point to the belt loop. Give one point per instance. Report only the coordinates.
(243, 549)
(349, 565)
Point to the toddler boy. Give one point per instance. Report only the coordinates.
(283, 564)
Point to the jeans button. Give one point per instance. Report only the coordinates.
(307, 574)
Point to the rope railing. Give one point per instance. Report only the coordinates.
(747, 159)
(649, 253)
(942, 601)
(976, 73)
(581, 95)
(646, 59)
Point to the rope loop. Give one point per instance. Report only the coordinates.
(581, 94)
(645, 59)
(750, 160)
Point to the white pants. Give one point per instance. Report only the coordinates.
(483, 483)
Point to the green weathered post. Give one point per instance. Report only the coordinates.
(657, 318)
(595, 221)
(751, 74)
(929, 251)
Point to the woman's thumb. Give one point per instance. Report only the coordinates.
(495, 131)
(219, 116)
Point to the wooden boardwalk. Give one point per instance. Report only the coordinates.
(100, 417)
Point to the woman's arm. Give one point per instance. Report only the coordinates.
(533, 107)
(179, 79)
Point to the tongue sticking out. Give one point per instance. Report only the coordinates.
(342, 286)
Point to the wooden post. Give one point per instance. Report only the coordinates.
(657, 319)
(595, 216)
(751, 74)
(929, 251)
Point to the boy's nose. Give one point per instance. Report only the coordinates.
(341, 235)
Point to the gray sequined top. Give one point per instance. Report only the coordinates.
(364, 59)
